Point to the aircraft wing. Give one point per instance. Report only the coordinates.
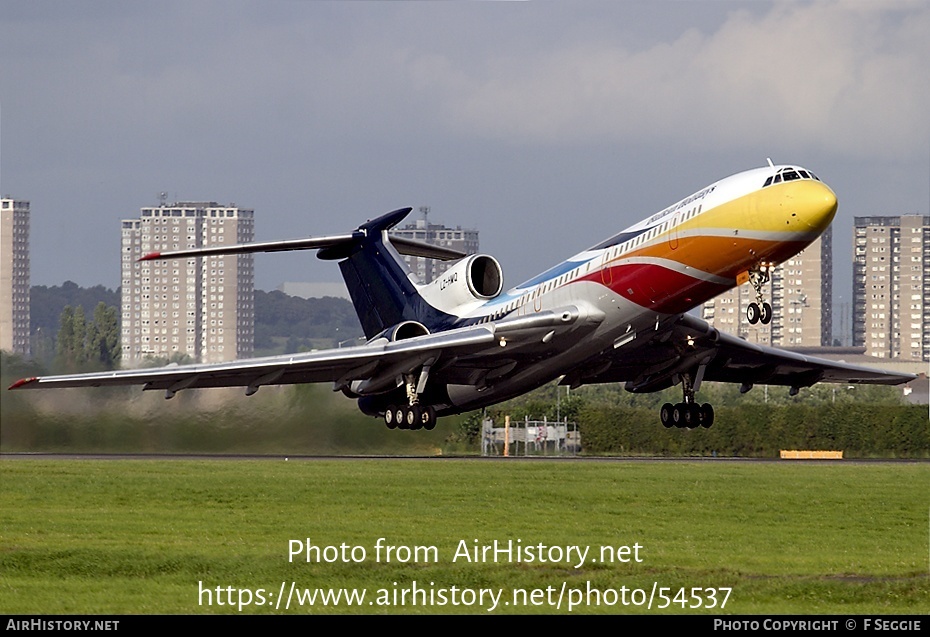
(462, 353)
(690, 344)
(340, 366)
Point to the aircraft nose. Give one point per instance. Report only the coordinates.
(814, 203)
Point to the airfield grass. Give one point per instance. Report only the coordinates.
(142, 536)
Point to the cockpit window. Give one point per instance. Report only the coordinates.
(789, 174)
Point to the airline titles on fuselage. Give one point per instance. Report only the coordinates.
(681, 204)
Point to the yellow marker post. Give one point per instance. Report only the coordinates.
(506, 436)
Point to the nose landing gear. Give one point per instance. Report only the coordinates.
(759, 311)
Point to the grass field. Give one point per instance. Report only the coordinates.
(148, 536)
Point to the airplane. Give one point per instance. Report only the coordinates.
(616, 312)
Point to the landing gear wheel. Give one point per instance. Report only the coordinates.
(390, 417)
(765, 315)
(665, 415)
(686, 415)
(412, 417)
(707, 415)
(678, 415)
(698, 418)
(400, 417)
(753, 313)
(428, 417)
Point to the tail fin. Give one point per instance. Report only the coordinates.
(378, 280)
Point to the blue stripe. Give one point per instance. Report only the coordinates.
(551, 273)
(623, 237)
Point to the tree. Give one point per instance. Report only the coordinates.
(103, 337)
(84, 345)
(65, 347)
(46, 305)
(78, 350)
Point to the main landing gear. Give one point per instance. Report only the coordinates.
(410, 417)
(688, 413)
(759, 311)
(413, 415)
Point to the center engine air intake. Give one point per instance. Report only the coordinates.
(475, 278)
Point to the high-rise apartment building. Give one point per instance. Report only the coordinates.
(891, 286)
(435, 234)
(201, 307)
(801, 293)
(14, 276)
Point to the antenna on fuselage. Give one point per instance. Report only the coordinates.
(769, 160)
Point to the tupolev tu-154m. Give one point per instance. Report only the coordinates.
(616, 312)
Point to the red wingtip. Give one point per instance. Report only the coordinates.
(151, 256)
(23, 381)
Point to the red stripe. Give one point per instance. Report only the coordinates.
(656, 287)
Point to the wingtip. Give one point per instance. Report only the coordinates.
(150, 256)
(23, 381)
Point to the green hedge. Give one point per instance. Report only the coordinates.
(860, 431)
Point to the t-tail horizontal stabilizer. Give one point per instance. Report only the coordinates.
(331, 247)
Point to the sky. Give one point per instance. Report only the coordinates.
(546, 125)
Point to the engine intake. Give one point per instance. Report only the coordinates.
(402, 331)
(484, 276)
(478, 277)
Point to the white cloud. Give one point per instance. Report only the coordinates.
(839, 77)
(842, 77)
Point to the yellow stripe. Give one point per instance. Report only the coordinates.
(772, 224)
